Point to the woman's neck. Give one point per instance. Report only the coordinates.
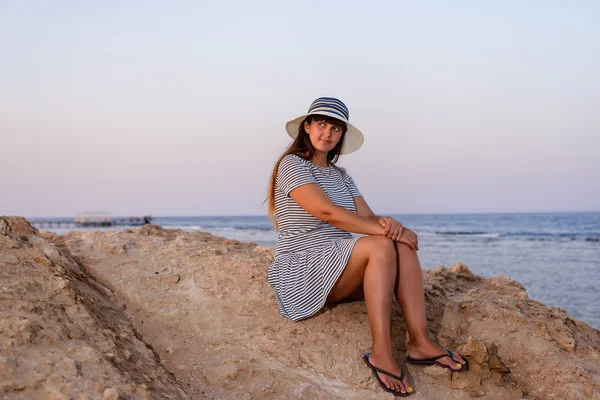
(320, 159)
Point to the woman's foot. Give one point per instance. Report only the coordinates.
(389, 364)
(429, 349)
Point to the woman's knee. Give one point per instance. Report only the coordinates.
(382, 247)
(404, 247)
(405, 252)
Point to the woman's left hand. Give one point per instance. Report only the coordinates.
(410, 238)
(393, 228)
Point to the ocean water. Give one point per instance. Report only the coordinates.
(556, 256)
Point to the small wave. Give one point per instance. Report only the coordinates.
(490, 235)
(464, 233)
(559, 237)
(254, 228)
(185, 227)
(219, 227)
(424, 234)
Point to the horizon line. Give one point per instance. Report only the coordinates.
(393, 213)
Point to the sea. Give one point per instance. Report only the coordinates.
(556, 256)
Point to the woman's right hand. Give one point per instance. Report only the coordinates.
(410, 238)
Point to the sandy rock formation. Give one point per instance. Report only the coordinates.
(205, 306)
(61, 336)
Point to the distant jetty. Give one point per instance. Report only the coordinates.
(92, 219)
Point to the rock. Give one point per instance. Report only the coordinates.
(4, 227)
(110, 394)
(12, 385)
(117, 249)
(263, 250)
(55, 323)
(9, 259)
(43, 260)
(437, 371)
(476, 392)
(142, 388)
(561, 334)
(475, 350)
(68, 367)
(497, 365)
(459, 381)
(191, 315)
(174, 279)
(461, 271)
(503, 280)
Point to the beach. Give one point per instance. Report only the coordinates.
(166, 313)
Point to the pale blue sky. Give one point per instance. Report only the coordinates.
(178, 108)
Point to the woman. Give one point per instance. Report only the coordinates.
(316, 205)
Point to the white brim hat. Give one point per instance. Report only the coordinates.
(334, 108)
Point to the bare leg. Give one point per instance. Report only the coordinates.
(372, 265)
(409, 292)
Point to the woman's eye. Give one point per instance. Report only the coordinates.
(337, 128)
(322, 124)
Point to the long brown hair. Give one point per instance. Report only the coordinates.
(302, 147)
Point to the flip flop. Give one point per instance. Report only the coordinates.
(434, 361)
(375, 370)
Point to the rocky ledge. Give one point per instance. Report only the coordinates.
(166, 314)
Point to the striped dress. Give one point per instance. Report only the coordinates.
(310, 254)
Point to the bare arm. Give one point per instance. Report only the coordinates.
(393, 229)
(362, 208)
(312, 199)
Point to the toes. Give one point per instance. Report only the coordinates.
(391, 384)
(402, 387)
(408, 386)
(396, 385)
(386, 382)
(459, 359)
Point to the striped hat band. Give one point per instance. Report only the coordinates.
(330, 105)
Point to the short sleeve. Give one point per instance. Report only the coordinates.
(292, 173)
(354, 192)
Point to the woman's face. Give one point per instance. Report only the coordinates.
(323, 135)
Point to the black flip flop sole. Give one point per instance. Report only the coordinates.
(375, 370)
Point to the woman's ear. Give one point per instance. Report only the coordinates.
(306, 125)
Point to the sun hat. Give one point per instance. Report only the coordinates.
(334, 108)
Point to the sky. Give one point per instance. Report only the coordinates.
(179, 108)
